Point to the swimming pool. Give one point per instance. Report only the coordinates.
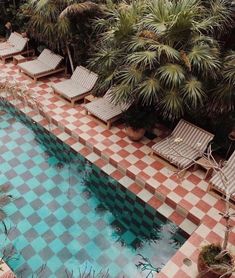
(69, 215)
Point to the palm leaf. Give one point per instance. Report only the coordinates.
(166, 52)
(205, 60)
(171, 105)
(131, 75)
(193, 93)
(122, 93)
(149, 91)
(158, 16)
(223, 99)
(229, 68)
(172, 75)
(147, 59)
(80, 8)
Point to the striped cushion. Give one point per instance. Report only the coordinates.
(69, 89)
(178, 154)
(34, 67)
(50, 59)
(103, 109)
(8, 51)
(84, 77)
(5, 45)
(225, 180)
(192, 135)
(192, 142)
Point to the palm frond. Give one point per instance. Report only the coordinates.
(205, 60)
(229, 68)
(148, 91)
(171, 105)
(221, 15)
(130, 75)
(172, 75)
(122, 93)
(79, 8)
(147, 59)
(223, 99)
(193, 93)
(158, 16)
(166, 52)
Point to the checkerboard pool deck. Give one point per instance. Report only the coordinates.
(150, 178)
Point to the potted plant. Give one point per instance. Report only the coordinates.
(138, 119)
(214, 260)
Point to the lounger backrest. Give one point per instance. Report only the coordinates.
(49, 58)
(231, 161)
(21, 43)
(17, 41)
(192, 135)
(13, 38)
(84, 77)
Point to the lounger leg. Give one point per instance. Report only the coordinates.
(73, 103)
(108, 125)
(86, 112)
(35, 79)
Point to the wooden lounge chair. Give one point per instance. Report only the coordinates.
(15, 45)
(78, 86)
(186, 143)
(47, 63)
(103, 109)
(223, 182)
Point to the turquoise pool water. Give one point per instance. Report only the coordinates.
(68, 215)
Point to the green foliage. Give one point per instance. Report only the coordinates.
(166, 54)
(139, 117)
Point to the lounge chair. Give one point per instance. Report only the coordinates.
(78, 86)
(223, 182)
(46, 64)
(15, 45)
(186, 143)
(105, 110)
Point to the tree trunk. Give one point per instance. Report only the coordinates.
(70, 57)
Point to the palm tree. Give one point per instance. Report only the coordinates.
(162, 53)
(62, 23)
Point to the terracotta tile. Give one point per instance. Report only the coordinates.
(213, 237)
(122, 143)
(160, 177)
(154, 202)
(141, 165)
(100, 163)
(157, 165)
(176, 218)
(170, 203)
(123, 153)
(194, 179)
(124, 164)
(209, 222)
(203, 206)
(139, 154)
(117, 175)
(135, 188)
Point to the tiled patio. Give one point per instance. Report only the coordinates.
(182, 200)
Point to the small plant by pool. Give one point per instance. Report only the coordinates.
(68, 215)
